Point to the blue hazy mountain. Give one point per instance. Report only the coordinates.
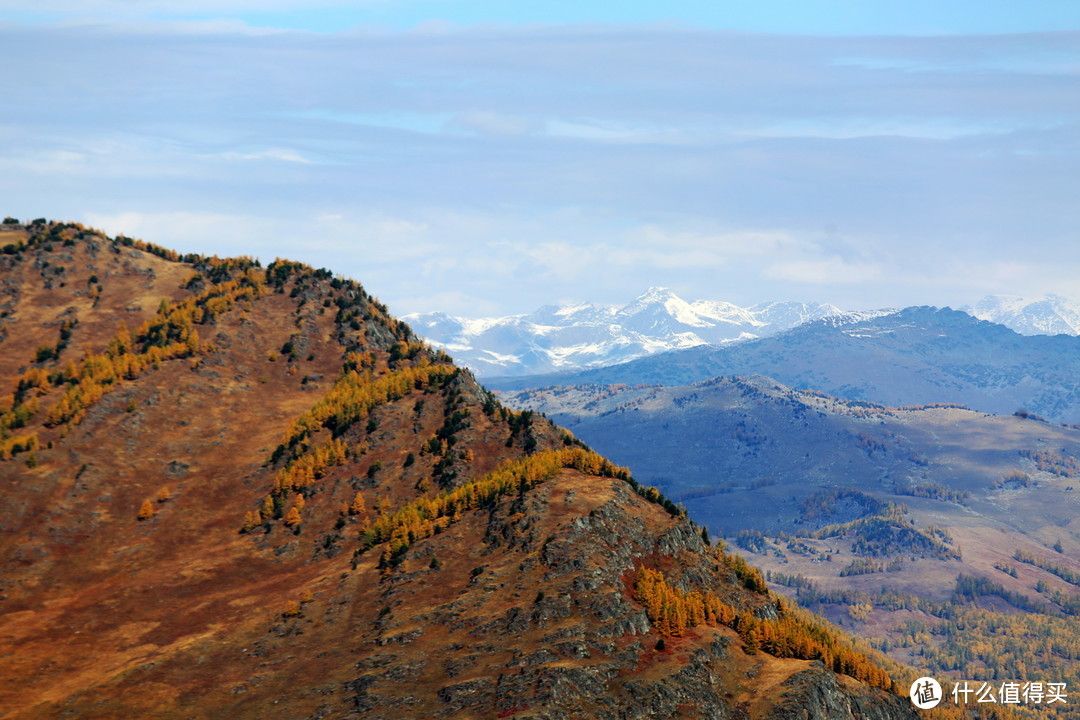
(914, 356)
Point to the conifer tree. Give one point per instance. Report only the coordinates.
(358, 506)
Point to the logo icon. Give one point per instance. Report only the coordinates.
(925, 693)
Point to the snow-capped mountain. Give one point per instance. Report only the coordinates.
(574, 337)
(914, 356)
(1052, 315)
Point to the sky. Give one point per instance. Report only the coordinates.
(488, 157)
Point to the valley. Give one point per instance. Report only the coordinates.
(873, 515)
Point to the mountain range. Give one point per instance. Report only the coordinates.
(568, 338)
(571, 337)
(914, 356)
(235, 491)
(1051, 315)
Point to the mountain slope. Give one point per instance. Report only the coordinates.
(237, 492)
(914, 356)
(883, 518)
(1053, 315)
(582, 336)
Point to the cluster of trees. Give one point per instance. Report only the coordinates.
(794, 633)
(13, 445)
(672, 610)
(425, 516)
(1059, 464)
(45, 353)
(171, 334)
(148, 247)
(879, 537)
(930, 489)
(752, 540)
(866, 566)
(798, 581)
(869, 444)
(999, 646)
(1066, 574)
(928, 406)
(16, 410)
(972, 642)
(889, 534)
(351, 398)
(303, 470)
(972, 587)
(749, 436)
(147, 509)
(354, 394)
(1068, 602)
(823, 506)
(1013, 479)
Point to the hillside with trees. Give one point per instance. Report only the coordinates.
(243, 491)
(947, 536)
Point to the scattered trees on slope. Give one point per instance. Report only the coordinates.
(794, 633)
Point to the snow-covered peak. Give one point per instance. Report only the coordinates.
(582, 335)
(725, 312)
(1051, 315)
(657, 309)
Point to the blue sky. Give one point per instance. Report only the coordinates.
(490, 157)
(816, 17)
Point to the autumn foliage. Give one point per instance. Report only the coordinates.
(169, 335)
(672, 610)
(356, 392)
(302, 471)
(793, 634)
(425, 516)
(146, 510)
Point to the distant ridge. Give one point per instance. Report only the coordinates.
(573, 337)
(582, 336)
(1051, 315)
(914, 356)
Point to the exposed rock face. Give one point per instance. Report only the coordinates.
(584, 649)
(816, 694)
(253, 588)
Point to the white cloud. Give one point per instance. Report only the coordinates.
(747, 242)
(516, 165)
(830, 271)
(282, 154)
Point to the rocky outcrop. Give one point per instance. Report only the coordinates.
(816, 694)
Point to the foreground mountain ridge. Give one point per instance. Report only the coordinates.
(239, 492)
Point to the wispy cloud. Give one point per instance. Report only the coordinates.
(511, 165)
